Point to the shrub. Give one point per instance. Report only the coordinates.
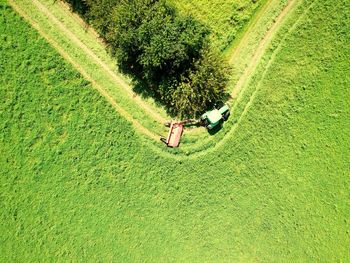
(149, 38)
(203, 86)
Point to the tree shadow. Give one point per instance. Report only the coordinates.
(77, 6)
(147, 90)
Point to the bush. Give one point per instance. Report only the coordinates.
(99, 14)
(203, 86)
(78, 6)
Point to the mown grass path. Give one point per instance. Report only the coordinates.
(119, 81)
(239, 86)
(259, 52)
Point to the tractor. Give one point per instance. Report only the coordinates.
(215, 117)
(210, 120)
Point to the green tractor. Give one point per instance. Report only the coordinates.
(215, 117)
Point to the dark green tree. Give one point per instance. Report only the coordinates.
(99, 14)
(78, 6)
(202, 86)
(152, 40)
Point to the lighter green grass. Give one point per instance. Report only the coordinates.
(78, 184)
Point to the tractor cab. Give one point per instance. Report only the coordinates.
(215, 117)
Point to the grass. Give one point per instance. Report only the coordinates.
(77, 183)
(242, 50)
(224, 18)
(95, 71)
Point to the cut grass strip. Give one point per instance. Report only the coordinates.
(92, 66)
(80, 32)
(241, 54)
(102, 91)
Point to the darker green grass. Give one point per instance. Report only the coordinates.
(225, 18)
(78, 184)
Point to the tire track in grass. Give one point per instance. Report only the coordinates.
(119, 81)
(97, 86)
(258, 86)
(232, 50)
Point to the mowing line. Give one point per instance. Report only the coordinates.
(258, 86)
(232, 49)
(259, 52)
(98, 87)
(120, 82)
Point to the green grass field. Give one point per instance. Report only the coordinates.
(78, 182)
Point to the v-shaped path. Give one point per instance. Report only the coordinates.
(120, 82)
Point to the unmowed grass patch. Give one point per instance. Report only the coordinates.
(78, 184)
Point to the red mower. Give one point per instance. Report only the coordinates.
(174, 135)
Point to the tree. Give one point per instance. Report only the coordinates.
(78, 6)
(99, 14)
(202, 86)
(153, 41)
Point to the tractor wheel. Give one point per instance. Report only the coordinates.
(225, 116)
